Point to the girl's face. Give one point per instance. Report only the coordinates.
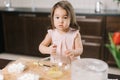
(61, 19)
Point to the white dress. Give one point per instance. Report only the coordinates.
(63, 42)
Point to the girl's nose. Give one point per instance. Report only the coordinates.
(61, 20)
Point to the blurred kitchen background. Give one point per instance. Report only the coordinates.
(77, 4)
(22, 28)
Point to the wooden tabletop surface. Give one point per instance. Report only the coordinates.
(4, 62)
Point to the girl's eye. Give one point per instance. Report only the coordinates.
(65, 17)
(57, 17)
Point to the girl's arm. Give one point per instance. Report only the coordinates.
(78, 45)
(44, 45)
(78, 48)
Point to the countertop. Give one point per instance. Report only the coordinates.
(110, 76)
(47, 10)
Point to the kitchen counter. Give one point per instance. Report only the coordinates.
(110, 76)
(43, 69)
(102, 13)
(25, 10)
(77, 11)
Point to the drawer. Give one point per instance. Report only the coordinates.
(92, 46)
(91, 52)
(112, 27)
(113, 19)
(113, 24)
(90, 26)
(91, 40)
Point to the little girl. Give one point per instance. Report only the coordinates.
(63, 37)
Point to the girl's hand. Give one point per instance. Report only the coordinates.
(53, 48)
(69, 53)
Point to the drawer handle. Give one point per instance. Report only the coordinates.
(27, 15)
(89, 20)
(81, 17)
(91, 37)
(90, 43)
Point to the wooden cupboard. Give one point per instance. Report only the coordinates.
(23, 32)
(92, 34)
(112, 25)
(1, 35)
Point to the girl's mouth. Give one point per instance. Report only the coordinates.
(60, 25)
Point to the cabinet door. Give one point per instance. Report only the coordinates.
(1, 35)
(112, 25)
(14, 35)
(24, 32)
(92, 30)
(92, 47)
(36, 28)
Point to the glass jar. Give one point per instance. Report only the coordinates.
(89, 69)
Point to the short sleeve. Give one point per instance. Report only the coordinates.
(50, 32)
(76, 33)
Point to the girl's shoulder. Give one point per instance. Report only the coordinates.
(74, 30)
(51, 31)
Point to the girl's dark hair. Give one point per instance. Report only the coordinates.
(70, 11)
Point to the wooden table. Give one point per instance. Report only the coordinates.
(4, 62)
(32, 66)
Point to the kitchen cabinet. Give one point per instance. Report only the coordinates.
(1, 35)
(112, 25)
(92, 34)
(23, 32)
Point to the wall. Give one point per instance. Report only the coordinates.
(81, 4)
